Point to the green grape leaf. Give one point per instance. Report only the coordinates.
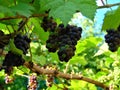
(86, 7)
(100, 73)
(24, 69)
(24, 1)
(22, 9)
(6, 3)
(64, 10)
(59, 9)
(4, 9)
(39, 31)
(108, 61)
(78, 59)
(54, 56)
(111, 20)
(50, 4)
(36, 6)
(14, 49)
(39, 59)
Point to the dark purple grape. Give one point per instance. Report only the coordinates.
(61, 36)
(22, 42)
(11, 60)
(113, 39)
(48, 24)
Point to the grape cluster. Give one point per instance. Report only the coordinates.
(113, 39)
(22, 42)
(67, 39)
(12, 59)
(62, 38)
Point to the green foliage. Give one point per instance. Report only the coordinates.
(39, 31)
(86, 7)
(65, 9)
(22, 9)
(109, 20)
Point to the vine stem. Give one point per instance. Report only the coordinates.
(20, 16)
(102, 2)
(41, 70)
(108, 5)
(67, 66)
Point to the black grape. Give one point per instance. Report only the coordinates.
(48, 24)
(113, 39)
(12, 59)
(22, 42)
(62, 39)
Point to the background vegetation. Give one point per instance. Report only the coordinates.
(93, 67)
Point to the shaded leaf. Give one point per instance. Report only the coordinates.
(43, 36)
(48, 4)
(78, 59)
(22, 9)
(59, 9)
(65, 12)
(54, 56)
(39, 59)
(86, 7)
(4, 9)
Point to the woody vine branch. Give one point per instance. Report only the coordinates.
(41, 70)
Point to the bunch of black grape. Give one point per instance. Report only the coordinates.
(12, 59)
(52, 42)
(64, 40)
(67, 39)
(113, 39)
(22, 42)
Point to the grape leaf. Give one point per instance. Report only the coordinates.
(61, 9)
(111, 20)
(22, 9)
(39, 59)
(54, 57)
(86, 7)
(64, 12)
(39, 31)
(4, 9)
(6, 3)
(50, 4)
(65, 9)
(78, 59)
